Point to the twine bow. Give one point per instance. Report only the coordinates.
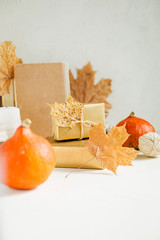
(85, 123)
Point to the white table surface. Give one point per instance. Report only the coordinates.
(89, 205)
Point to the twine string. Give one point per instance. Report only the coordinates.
(86, 123)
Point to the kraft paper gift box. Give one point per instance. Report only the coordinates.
(73, 154)
(92, 113)
(38, 85)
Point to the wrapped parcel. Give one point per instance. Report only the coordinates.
(73, 120)
(73, 154)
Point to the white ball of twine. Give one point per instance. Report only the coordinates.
(149, 144)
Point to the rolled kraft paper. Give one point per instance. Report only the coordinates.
(73, 154)
(92, 112)
(10, 119)
(8, 100)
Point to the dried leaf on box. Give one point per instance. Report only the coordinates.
(66, 114)
(8, 59)
(84, 90)
(108, 148)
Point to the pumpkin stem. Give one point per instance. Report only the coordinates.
(26, 123)
(132, 114)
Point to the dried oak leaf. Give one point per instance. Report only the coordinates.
(108, 148)
(66, 114)
(84, 90)
(8, 59)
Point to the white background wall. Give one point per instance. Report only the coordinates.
(121, 38)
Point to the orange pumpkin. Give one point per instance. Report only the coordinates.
(26, 159)
(136, 127)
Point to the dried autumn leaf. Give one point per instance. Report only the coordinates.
(8, 59)
(108, 148)
(66, 114)
(84, 90)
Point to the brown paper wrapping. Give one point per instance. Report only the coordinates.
(38, 85)
(91, 112)
(73, 154)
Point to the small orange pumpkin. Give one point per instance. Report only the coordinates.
(26, 159)
(136, 127)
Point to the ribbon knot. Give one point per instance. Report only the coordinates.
(85, 123)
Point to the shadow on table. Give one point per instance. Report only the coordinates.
(141, 157)
(72, 171)
(7, 192)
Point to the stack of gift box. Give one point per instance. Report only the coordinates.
(36, 89)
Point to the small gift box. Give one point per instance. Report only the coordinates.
(73, 120)
(73, 154)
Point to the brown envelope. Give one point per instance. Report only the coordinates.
(37, 85)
